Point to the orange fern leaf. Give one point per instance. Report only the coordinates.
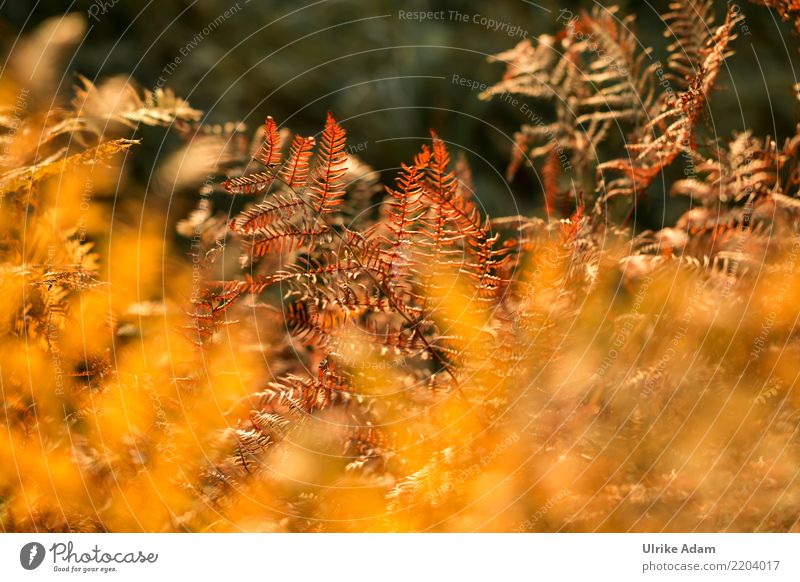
(689, 23)
(249, 184)
(283, 237)
(571, 226)
(443, 181)
(672, 132)
(270, 152)
(328, 186)
(266, 213)
(403, 210)
(295, 172)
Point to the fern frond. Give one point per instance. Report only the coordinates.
(744, 170)
(672, 132)
(595, 74)
(303, 322)
(620, 81)
(250, 444)
(281, 237)
(690, 25)
(486, 283)
(295, 171)
(254, 183)
(270, 424)
(368, 447)
(786, 202)
(262, 215)
(304, 394)
(123, 104)
(327, 186)
(403, 209)
(163, 106)
(528, 69)
(442, 193)
(14, 180)
(270, 152)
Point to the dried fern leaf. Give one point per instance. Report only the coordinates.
(327, 186)
(15, 180)
(270, 152)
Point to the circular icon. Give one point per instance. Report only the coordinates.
(31, 555)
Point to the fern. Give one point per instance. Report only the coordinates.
(295, 173)
(21, 178)
(690, 25)
(328, 187)
(122, 103)
(672, 132)
(254, 183)
(270, 153)
(599, 79)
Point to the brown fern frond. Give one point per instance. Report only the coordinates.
(403, 209)
(442, 193)
(249, 286)
(529, 69)
(438, 166)
(19, 178)
(262, 215)
(269, 424)
(295, 171)
(303, 322)
(254, 183)
(595, 74)
(786, 202)
(536, 72)
(368, 447)
(690, 25)
(318, 272)
(304, 394)
(400, 340)
(270, 152)
(571, 227)
(319, 268)
(746, 169)
(282, 237)
(118, 100)
(672, 132)
(483, 273)
(616, 70)
(250, 444)
(327, 186)
(519, 154)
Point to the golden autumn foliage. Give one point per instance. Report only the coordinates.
(317, 362)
